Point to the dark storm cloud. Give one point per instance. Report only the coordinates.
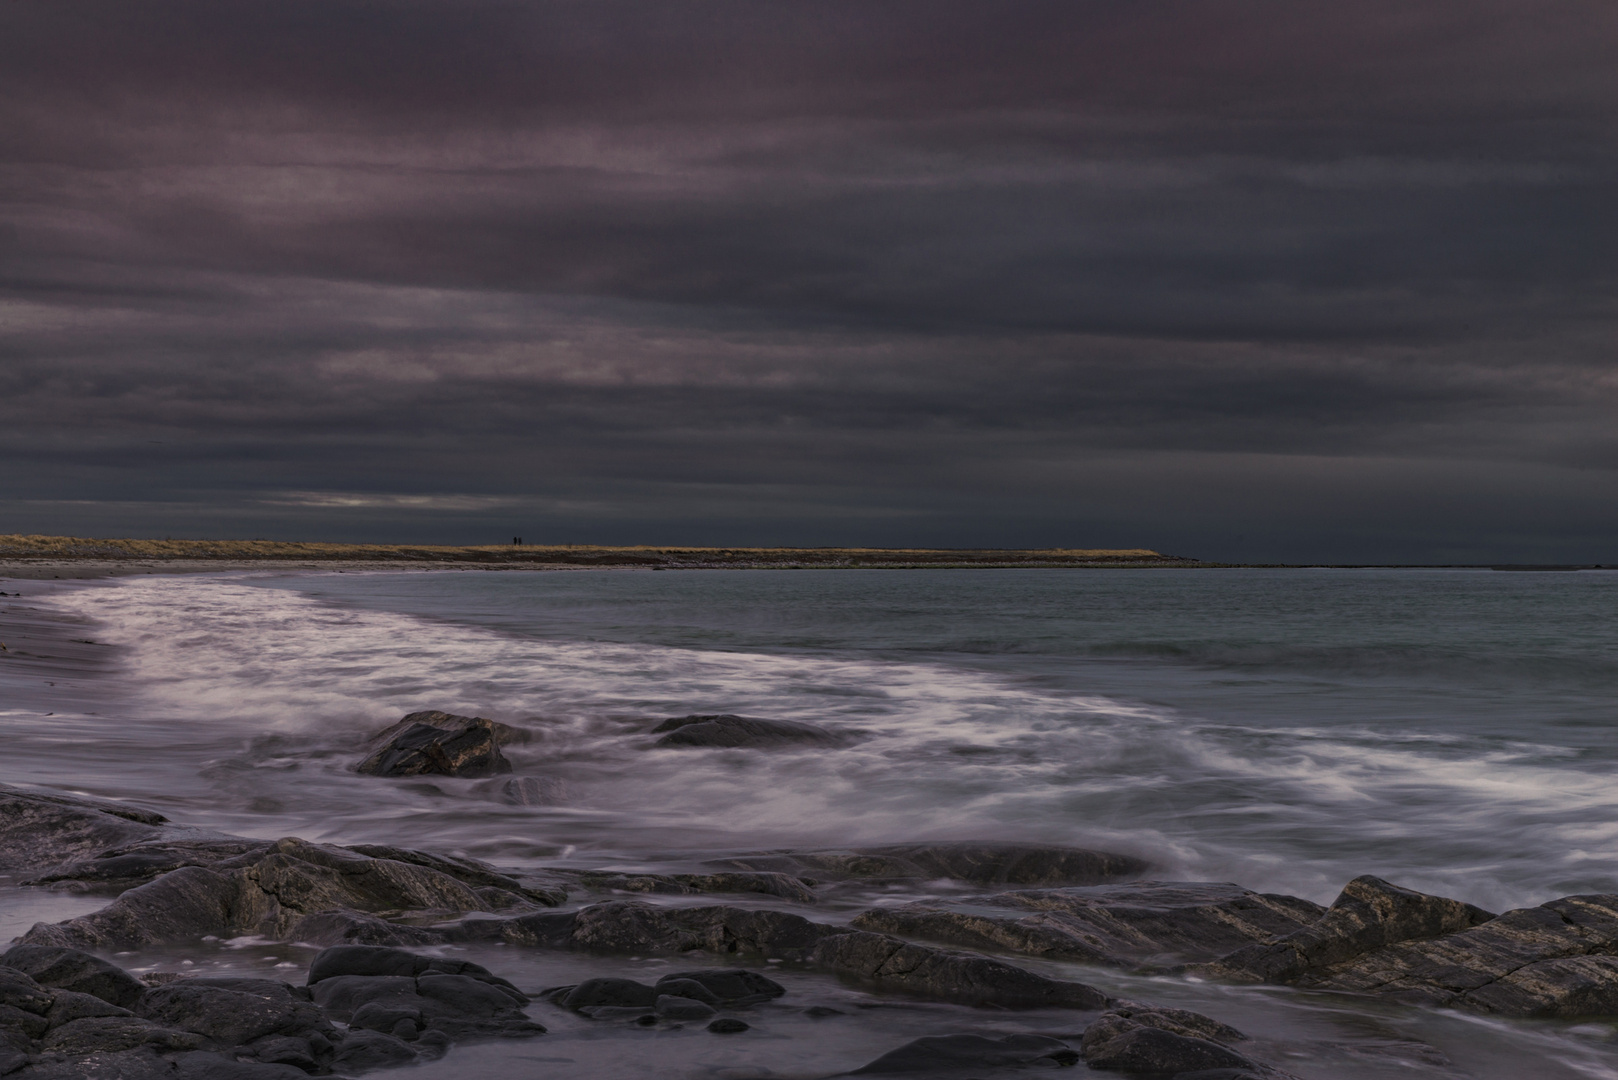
(924, 273)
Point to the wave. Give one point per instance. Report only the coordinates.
(243, 706)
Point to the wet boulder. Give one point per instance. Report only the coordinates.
(439, 744)
(1164, 1042)
(70, 969)
(943, 1055)
(270, 891)
(371, 961)
(1369, 914)
(42, 829)
(124, 867)
(396, 993)
(895, 964)
(731, 987)
(1554, 961)
(234, 1011)
(728, 731)
(607, 993)
(631, 926)
(1126, 925)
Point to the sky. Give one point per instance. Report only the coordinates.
(1289, 281)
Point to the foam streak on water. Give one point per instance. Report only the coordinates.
(240, 706)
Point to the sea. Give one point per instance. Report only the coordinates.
(1452, 731)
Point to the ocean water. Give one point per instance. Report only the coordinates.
(1452, 731)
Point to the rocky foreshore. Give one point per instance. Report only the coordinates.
(373, 998)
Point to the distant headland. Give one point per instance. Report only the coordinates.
(100, 555)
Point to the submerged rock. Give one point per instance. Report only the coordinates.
(1167, 1042)
(947, 1054)
(1121, 925)
(438, 743)
(892, 963)
(725, 730)
(974, 863)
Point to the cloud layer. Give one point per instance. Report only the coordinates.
(1245, 280)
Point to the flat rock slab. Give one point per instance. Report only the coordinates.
(728, 731)
(1142, 923)
(275, 891)
(973, 863)
(893, 964)
(438, 743)
(1556, 960)
(43, 833)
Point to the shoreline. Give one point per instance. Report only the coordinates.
(78, 558)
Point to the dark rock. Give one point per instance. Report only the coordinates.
(357, 928)
(363, 1051)
(975, 863)
(820, 1012)
(68, 1005)
(504, 734)
(669, 1007)
(369, 960)
(27, 1025)
(19, 990)
(771, 884)
(725, 730)
(469, 871)
(124, 867)
(631, 926)
(946, 1054)
(727, 1025)
(142, 1063)
(460, 1006)
(70, 969)
(111, 1034)
(612, 993)
(233, 1011)
(734, 987)
(267, 892)
(1123, 925)
(920, 969)
(686, 988)
(1161, 1052)
(289, 1050)
(40, 829)
(439, 744)
(1131, 1037)
(1555, 960)
(203, 1065)
(1128, 1015)
(1370, 914)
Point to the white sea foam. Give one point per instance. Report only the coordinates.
(243, 705)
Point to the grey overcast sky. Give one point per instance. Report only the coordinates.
(1244, 279)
